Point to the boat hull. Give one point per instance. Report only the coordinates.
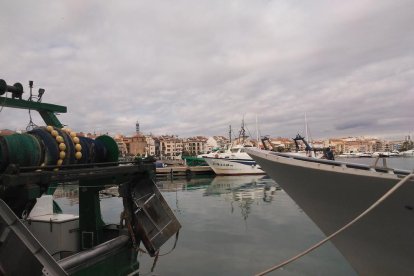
(226, 166)
(409, 153)
(382, 243)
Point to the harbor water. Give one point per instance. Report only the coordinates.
(234, 225)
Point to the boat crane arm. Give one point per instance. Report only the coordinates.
(46, 111)
(300, 138)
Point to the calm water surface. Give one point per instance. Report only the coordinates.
(237, 226)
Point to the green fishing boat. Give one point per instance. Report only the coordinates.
(45, 241)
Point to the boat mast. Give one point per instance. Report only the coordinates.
(242, 133)
(307, 133)
(257, 132)
(306, 128)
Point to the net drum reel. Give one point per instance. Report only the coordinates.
(50, 146)
(21, 149)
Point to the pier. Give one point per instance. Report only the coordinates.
(187, 171)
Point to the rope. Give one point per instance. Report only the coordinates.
(157, 254)
(31, 125)
(374, 205)
(155, 261)
(4, 103)
(171, 250)
(175, 244)
(126, 216)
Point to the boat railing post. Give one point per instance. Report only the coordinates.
(384, 162)
(375, 162)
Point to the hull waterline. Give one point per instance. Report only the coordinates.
(223, 166)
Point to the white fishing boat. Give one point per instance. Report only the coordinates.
(235, 161)
(347, 155)
(212, 153)
(364, 154)
(408, 153)
(333, 193)
(386, 154)
(356, 155)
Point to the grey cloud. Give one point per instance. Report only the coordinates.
(355, 125)
(193, 68)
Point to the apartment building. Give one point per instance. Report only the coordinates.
(171, 147)
(195, 145)
(356, 144)
(150, 148)
(337, 145)
(282, 144)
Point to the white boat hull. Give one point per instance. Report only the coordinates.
(382, 243)
(224, 166)
(408, 153)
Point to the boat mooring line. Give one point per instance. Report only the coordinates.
(374, 205)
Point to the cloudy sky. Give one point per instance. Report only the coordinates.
(190, 67)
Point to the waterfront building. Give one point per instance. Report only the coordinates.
(136, 145)
(150, 148)
(140, 145)
(353, 144)
(282, 144)
(337, 145)
(195, 145)
(171, 147)
(5, 132)
(317, 144)
(122, 147)
(380, 146)
(214, 142)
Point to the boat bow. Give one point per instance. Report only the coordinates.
(333, 193)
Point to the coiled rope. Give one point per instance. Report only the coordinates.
(374, 205)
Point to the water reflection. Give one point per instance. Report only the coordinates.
(239, 191)
(237, 225)
(183, 184)
(242, 188)
(242, 191)
(71, 192)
